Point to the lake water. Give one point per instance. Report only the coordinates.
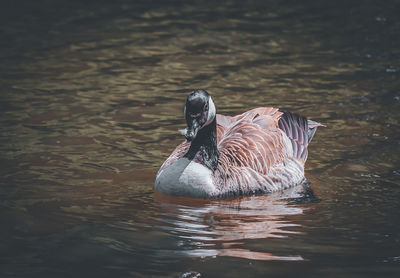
(91, 98)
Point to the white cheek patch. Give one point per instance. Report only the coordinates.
(211, 112)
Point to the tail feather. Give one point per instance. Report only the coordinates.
(300, 132)
(312, 128)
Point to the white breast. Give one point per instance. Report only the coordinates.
(186, 178)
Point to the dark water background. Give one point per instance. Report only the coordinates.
(91, 98)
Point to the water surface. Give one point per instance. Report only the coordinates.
(91, 98)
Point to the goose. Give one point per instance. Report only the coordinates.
(260, 151)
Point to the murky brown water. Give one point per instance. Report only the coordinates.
(91, 98)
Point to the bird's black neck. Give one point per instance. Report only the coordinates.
(205, 144)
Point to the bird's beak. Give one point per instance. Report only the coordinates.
(190, 132)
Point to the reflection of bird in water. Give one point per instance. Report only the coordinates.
(218, 227)
(262, 150)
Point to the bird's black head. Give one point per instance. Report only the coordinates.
(199, 112)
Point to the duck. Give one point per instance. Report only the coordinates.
(262, 150)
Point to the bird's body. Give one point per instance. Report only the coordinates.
(262, 150)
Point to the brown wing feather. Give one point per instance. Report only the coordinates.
(253, 140)
(253, 151)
